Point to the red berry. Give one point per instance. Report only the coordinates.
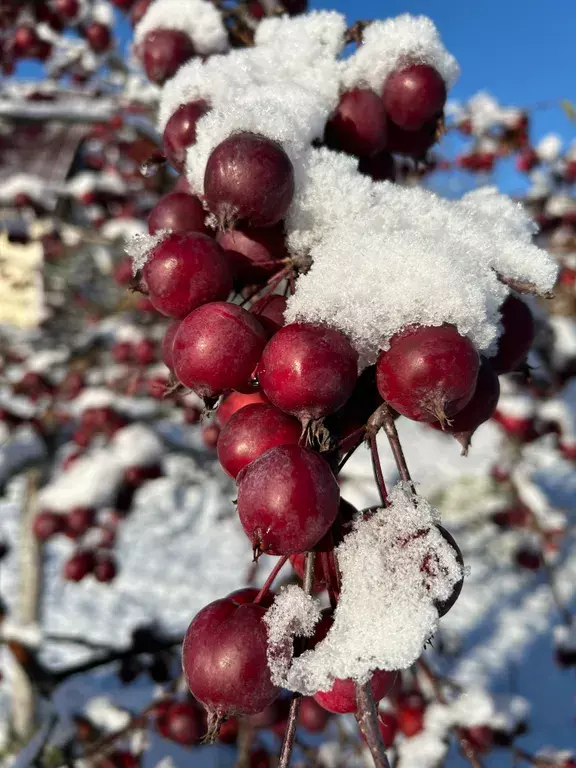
(163, 52)
(517, 516)
(249, 594)
(211, 436)
(287, 500)
(358, 126)
(144, 352)
(249, 178)
(313, 717)
(250, 247)
(217, 348)
(270, 312)
(517, 335)
(79, 565)
(410, 719)
(224, 659)
(234, 401)
(79, 520)
(105, 569)
(479, 738)
(98, 36)
(138, 10)
(168, 343)
(414, 95)
(228, 732)
(388, 725)
(260, 758)
(67, 8)
(308, 370)
(341, 698)
(429, 373)
(185, 271)
(479, 409)
(183, 723)
(48, 524)
(180, 131)
(251, 432)
(380, 167)
(179, 213)
(412, 143)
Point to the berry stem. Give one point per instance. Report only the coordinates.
(300, 647)
(395, 445)
(268, 286)
(268, 583)
(368, 723)
(377, 467)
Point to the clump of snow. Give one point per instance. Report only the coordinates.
(565, 637)
(117, 229)
(386, 610)
(88, 181)
(104, 714)
(549, 147)
(484, 113)
(140, 246)
(393, 43)
(199, 19)
(292, 613)
(405, 255)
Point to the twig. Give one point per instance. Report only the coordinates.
(377, 467)
(368, 723)
(395, 445)
(523, 287)
(273, 573)
(290, 733)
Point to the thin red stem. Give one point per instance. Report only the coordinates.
(269, 581)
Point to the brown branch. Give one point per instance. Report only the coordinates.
(368, 722)
(522, 287)
(377, 467)
(292, 724)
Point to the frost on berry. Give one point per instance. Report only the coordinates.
(394, 567)
(140, 246)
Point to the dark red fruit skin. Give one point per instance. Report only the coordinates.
(234, 401)
(414, 95)
(517, 335)
(249, 594)
(249, 178)
(308, 370)
(211, 436)
(380, 167)
(361, 404)
(217, 348)
(529, 559)
(105, 569)
(180, 131)
(251, 432)
(270, 312)
(98, 36)
(79, 565)
(429, 373)
(178, 212)
(341, 698)
(358, 126)
(228, 732)
(410, 720)
(287, 500)
(183, 723)
(80, 519)
(313, 717)
(67, 8)
(138, 10)
(224, 659)
(479, 409)
(185, 271)
(163, 52)
(48, 524)
(479, 738)
(250, 248)
(388, 725)
(260, 758)
(412, 143)
(168, 343)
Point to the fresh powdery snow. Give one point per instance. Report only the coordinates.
(394, 566)
(199, 19)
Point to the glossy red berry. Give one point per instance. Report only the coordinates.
(105, 569)
(163, 52)
(388, 725)
(217, 348)
(313, 717)
(251, 432)
(234, 401)
(98, 36)
(429, 373)
(411, 719)
(414, 95)
(180, 131)
(183, 723)
(79, 520)
(48, 524)
(168, 343)
(287, 500)
(517, 335)
(341, 698)
(228, 732)
(79, 565)
(67, 8)
(251, 249)
(308, 370)
(224, 659)
(358, 126)
(179, 213)
(249, 594)
(250, 179)
(185, 271)
(412, 143)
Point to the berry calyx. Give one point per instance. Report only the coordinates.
(287, 500)
(429, 373)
